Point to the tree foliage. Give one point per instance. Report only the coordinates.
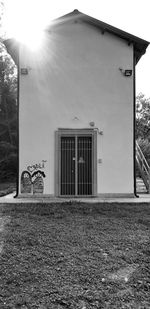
(8, 116)
(142, 117)
(143, 124)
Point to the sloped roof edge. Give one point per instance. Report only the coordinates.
(140, 45)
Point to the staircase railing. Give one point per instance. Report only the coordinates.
(143, 166)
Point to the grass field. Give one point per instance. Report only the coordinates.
(72, 255)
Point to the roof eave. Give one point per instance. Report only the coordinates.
(139, 44)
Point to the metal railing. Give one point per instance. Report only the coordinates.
(143, 167)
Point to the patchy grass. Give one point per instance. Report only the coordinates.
(74, 255)
(7, 188)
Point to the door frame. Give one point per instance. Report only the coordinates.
(75, 132)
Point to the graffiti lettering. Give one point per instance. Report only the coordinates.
(32, 183)
(37, 166)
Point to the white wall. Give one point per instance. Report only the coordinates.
(76, 74)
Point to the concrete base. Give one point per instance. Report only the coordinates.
(143, 198)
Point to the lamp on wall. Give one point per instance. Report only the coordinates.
(126, 73)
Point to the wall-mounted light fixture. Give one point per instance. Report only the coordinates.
(92, 123)
(126, 72)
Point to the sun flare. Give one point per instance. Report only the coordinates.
(25, 20)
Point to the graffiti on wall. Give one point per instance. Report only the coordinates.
(37, 166)
(37, 181)
(32, 179)
(26, 182)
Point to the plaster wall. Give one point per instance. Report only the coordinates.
(73, 79)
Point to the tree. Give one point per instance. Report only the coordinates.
(143, 124)
(142, 117)
(8, 116)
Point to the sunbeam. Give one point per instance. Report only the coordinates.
(25, 20)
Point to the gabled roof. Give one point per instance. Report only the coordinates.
(140, 45)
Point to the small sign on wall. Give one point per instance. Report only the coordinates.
(24, 71)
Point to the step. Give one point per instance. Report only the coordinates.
(140, 186)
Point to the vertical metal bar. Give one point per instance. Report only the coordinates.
(64, 160)
(63, 157)
(81, 167)
(67, 148)
(87, 169)
(76, 165)
(88, 165)
(65, 153)
(68, 167)
(69, 163)
(60, 172)
(90, 152)
(65, 170)
(62, 164)
(84, 168)
(149, 181)
(88, 162)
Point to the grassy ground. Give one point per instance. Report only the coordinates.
(7, 187)
(75, 256)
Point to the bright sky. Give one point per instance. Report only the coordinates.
(132, 16)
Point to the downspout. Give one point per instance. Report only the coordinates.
(18, 92)
(134, 121)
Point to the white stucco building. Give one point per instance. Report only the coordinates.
(77, 110)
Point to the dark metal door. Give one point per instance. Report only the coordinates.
(76, 165)
(67, 165)
(84, 159)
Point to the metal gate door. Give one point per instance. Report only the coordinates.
(76, 165)
(67, 165)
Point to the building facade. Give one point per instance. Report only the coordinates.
(77, 110)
